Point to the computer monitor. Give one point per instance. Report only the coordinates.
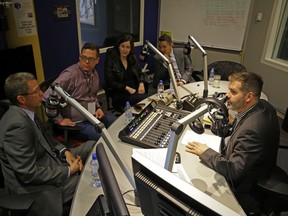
(161, 192)
(112, 203)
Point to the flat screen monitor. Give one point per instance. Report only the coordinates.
(112, 203)
(160, 192)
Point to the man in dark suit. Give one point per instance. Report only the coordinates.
(33, 162)
(250, 150)
(181, 63)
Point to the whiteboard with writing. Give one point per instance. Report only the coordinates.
(213, 23)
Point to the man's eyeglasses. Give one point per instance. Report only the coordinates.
(89, 59)
(37, 91)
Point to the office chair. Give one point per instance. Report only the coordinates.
(61, 133)
(275, 187)
(108, 95)
(3, 108)
(11, 204)
(223, 68)
(108, 91)
(18, 204)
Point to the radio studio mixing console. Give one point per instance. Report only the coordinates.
(151, 127)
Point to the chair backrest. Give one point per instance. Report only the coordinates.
(274, 187)
(225, 68)
(13, 204)
(1, 178)
(59, 132)
(7, 201)
(3, 108)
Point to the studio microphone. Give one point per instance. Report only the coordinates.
(144, 53)
(52, 104)
(187, 49)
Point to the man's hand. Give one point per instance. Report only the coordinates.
(99, 113)
(76, 165)
(67, 122)
(130, 90)
(180, 83)
(196, 148)
(70, 158)
(141, 88)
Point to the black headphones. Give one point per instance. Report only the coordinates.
(219, 116)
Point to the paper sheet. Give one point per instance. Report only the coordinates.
(211, 141)
(157, 155)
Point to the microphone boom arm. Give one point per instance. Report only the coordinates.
(205, 91)
(104, 133)
(176, 131)
(171, 73)
(178, 127)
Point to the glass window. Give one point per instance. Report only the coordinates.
(103, 21)
(281, 48)
(276, 52)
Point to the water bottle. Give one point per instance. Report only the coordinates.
(94, 171)
(128, 113)
(160, 89)
(211, 76)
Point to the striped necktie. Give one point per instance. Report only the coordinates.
(40, 127)
(177, 74)
(37, 121)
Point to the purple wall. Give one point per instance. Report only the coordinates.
(58, 39)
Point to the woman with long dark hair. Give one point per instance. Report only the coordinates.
(123, 74)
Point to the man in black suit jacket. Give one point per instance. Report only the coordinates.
(33, 162)
(181, 63)
(250, 150)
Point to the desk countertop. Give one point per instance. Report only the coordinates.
(198, 87)
(201, 177)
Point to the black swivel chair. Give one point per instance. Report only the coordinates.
(108, 95)
(223, 68)
(12, 204)
(275, 191)
(275, 187)
(108, 91)
(61, 133)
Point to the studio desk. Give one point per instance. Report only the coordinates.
(202, 177)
